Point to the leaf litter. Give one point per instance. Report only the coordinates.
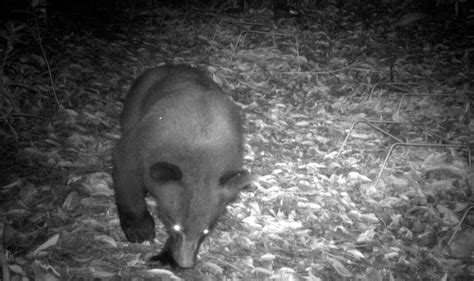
(310, 214)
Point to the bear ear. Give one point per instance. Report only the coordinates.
(165, 172)
(236, 180)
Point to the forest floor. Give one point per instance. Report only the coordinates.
(393, 201)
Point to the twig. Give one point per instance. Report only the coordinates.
(40, 43)
(329, 71)
(8, 50)
(3, 258)
(459, 224)
(227, 264)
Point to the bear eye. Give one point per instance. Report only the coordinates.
(177, 228)
(236, 179)
(205, 231)
(165, 172)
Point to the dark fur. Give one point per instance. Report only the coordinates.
(182, 143)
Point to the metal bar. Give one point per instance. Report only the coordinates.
(393, 146)
(428, 95)
(392, 85)
(368, 122)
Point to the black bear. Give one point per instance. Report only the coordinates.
(182, 143)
